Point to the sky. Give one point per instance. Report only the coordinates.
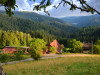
(27, 5)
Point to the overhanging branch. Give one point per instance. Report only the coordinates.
(82, 9)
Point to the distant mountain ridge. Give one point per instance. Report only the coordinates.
(36, 17)
(83, 21)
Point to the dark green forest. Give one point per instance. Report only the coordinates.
(25, 25)
(87, 34)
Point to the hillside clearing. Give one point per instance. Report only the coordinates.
(89, 65)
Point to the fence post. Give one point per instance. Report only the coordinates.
(92, 47)
(1, 70)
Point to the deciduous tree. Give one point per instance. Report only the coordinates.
(97, 47)
(75, 45)
(37, 46)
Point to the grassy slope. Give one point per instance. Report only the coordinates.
(58, 66)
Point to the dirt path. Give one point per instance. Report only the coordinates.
(48, 56)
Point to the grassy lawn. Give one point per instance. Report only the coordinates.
(58, 66)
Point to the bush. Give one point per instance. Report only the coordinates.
(97, 49)
(67, 49)
(19, 55)
(52, 49)
(36, 54)
(4, 58)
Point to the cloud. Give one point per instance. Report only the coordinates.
(2, 8)
(23, 5)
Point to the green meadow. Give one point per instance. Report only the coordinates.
(89, 65)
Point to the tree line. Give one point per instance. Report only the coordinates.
(14, 38)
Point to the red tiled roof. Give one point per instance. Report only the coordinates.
(57, 45)
(12, 49)
(9, 49)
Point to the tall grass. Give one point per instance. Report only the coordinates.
(57, 66)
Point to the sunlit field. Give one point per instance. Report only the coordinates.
(89, 65)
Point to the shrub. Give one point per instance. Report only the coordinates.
(97, 49)
(19, 55)
(36, 54)
(66, 49)
(4, 58)
(52, 49)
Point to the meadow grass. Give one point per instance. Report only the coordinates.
(57, 66)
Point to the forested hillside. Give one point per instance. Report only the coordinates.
(83, 21)
(25, 25)
(27, 22)
(48, 28)
(39, 18)
(60, 24)
(87, 34)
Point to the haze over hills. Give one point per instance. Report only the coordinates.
(83, 21)
(27, 22)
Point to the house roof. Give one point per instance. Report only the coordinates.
(55, 43)
(15, 47)
(9, 49)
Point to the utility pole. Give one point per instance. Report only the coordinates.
(92, 47)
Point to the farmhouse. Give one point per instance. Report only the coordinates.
(87, 46)
(56, 45)
(13, 49)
